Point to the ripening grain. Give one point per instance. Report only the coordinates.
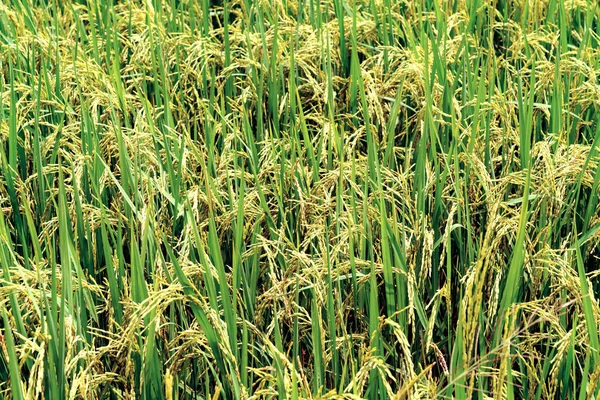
(299, 199)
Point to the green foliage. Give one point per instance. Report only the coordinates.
(299, 199)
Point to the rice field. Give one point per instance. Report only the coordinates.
(299, 199)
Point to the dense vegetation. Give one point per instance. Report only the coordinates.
(299, 199)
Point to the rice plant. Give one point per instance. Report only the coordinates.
(299, 199)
